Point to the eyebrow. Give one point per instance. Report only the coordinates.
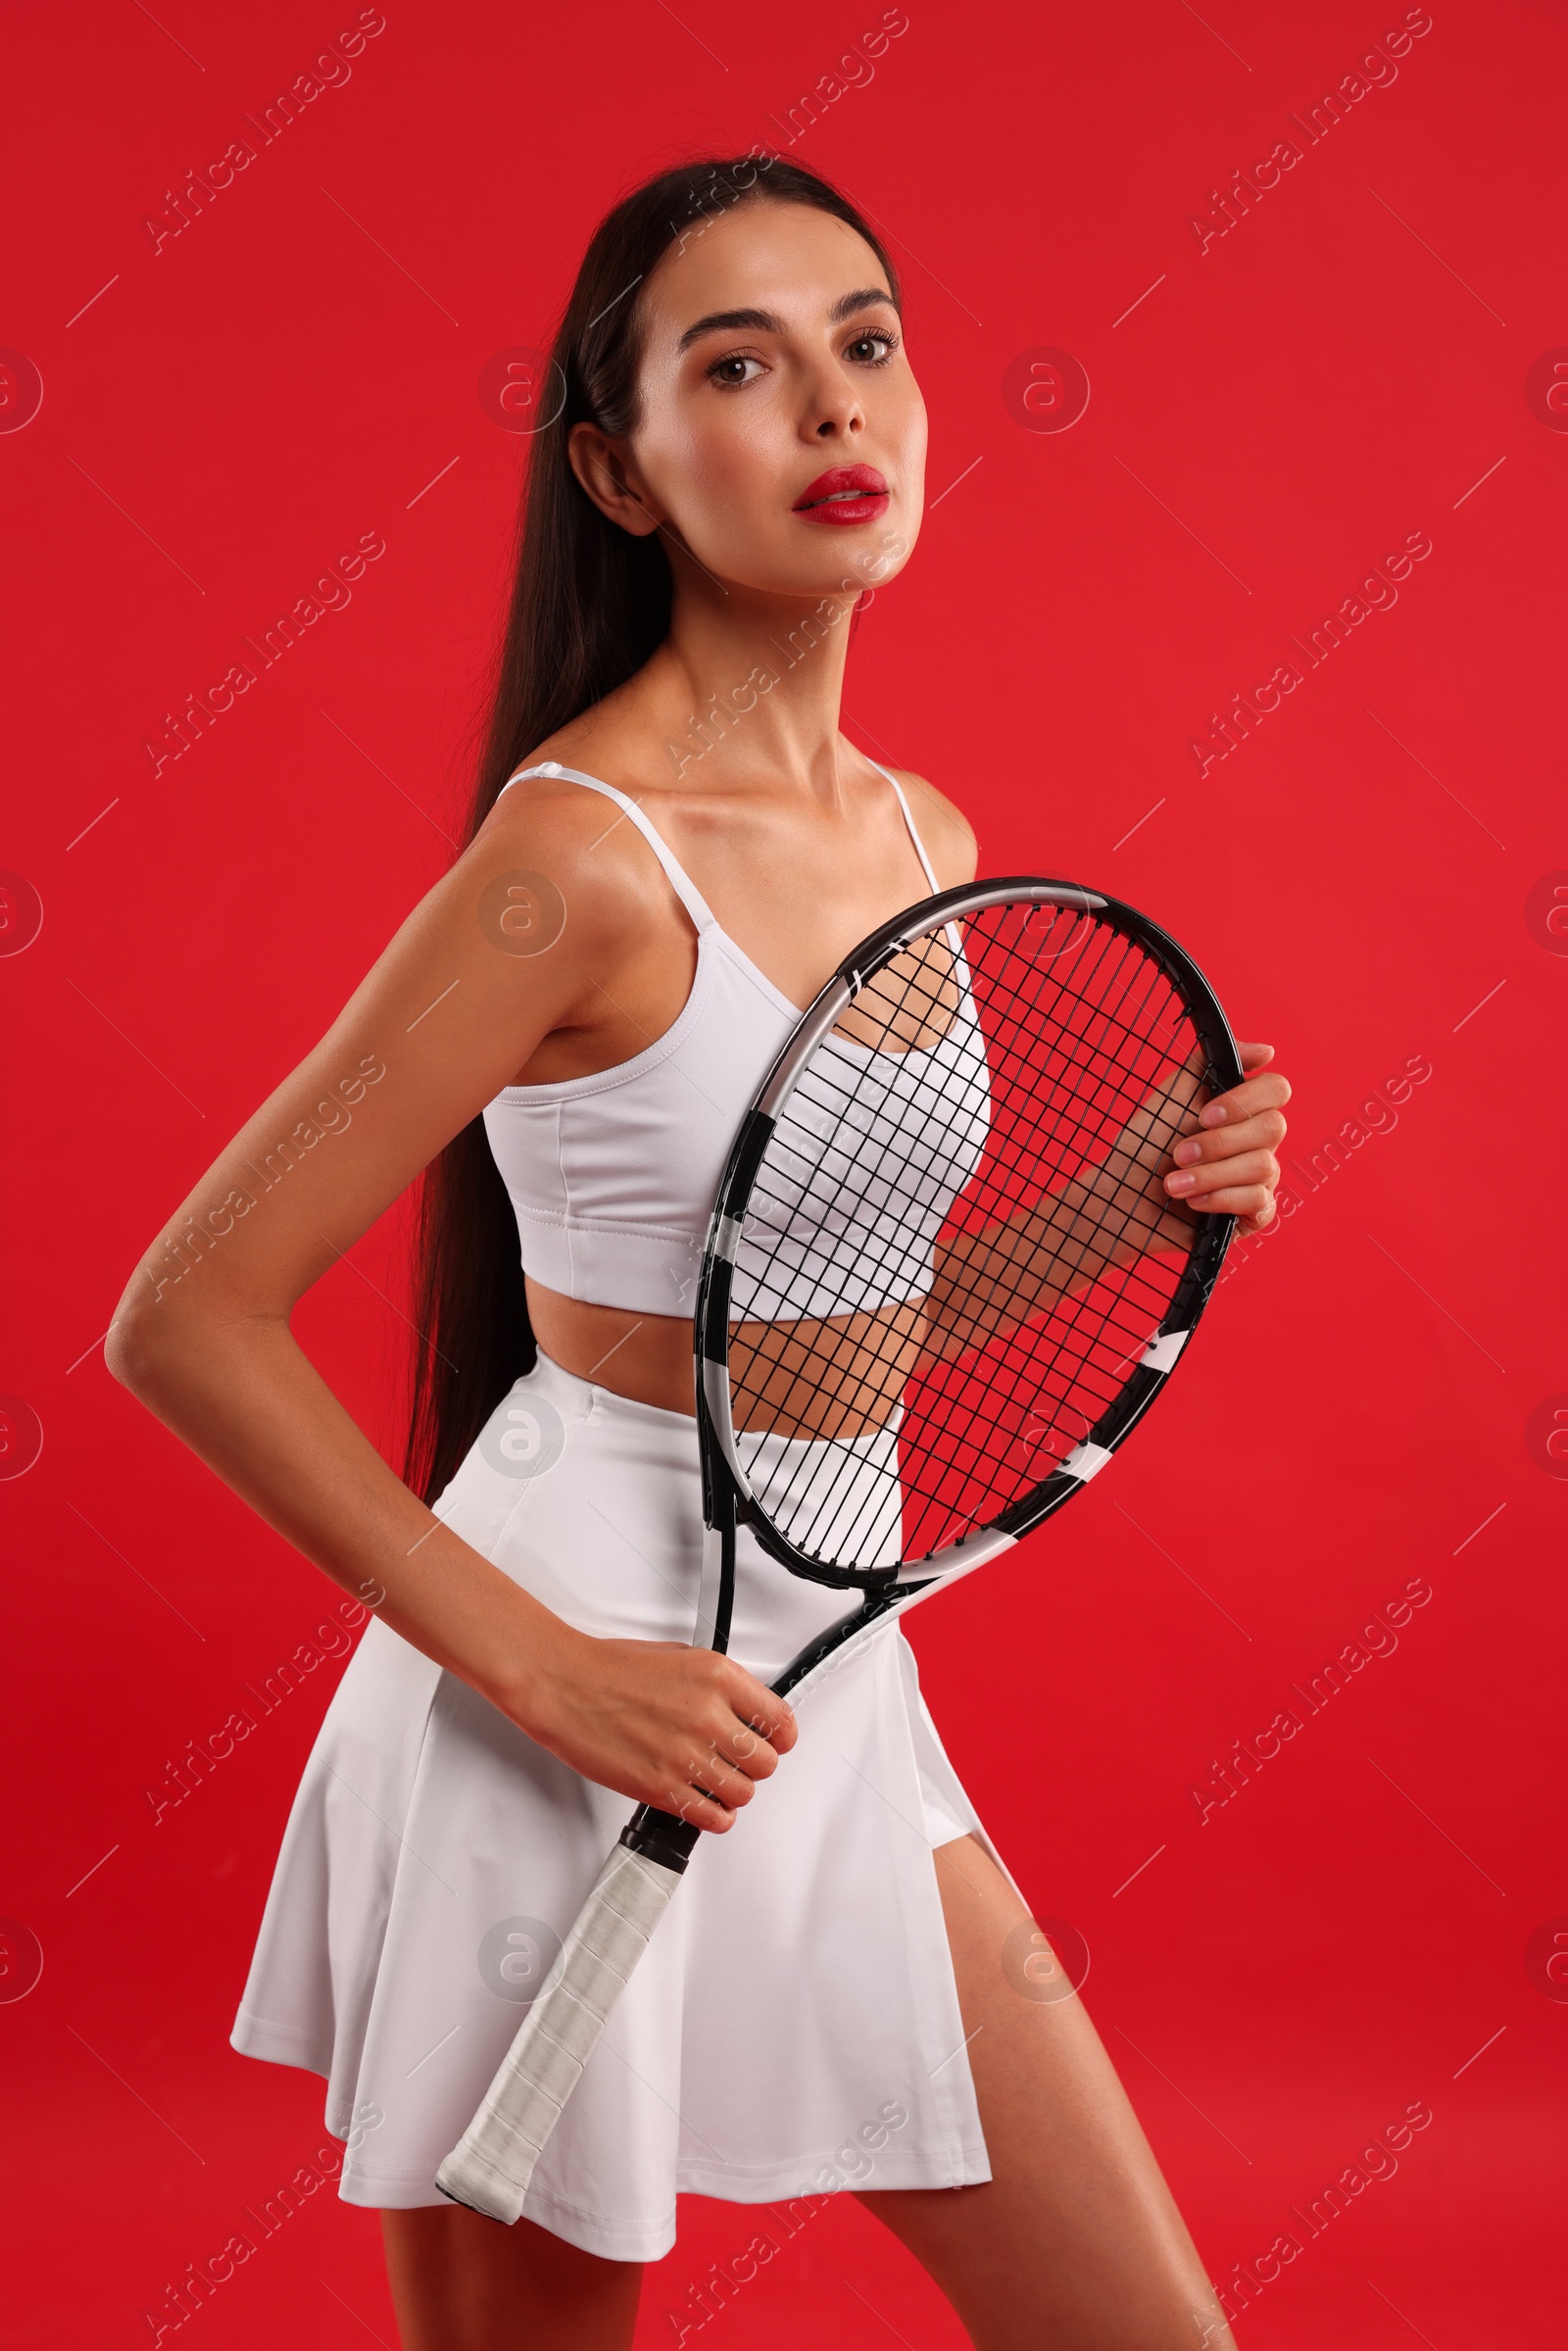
(768, 321)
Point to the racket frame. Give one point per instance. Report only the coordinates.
(728, 1498)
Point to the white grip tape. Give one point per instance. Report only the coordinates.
(493, 2162)
(1086, 1461)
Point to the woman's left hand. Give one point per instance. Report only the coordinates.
(1228, 1167)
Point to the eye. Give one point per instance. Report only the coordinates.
(864, 348)
(724, 371)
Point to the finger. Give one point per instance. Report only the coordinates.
(1267, 1091)
(709, 1780)
(1263, 1131)
(749, 1750)
(1237, 1199)
(689, 1803)
(721, 1780)
(1197, 1185)
(758, 1706)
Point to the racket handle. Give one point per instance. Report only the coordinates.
(490, 2167)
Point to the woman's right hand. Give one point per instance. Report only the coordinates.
(682, 1729)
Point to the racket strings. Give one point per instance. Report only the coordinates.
(1009, 1292)
(1137, 1207)
(1068, 1064)
(1146, 1299)
(830, 1493)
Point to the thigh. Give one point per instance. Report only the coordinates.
(461, 2282)
(1075, 2242)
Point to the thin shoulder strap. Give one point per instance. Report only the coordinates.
(690, 896)
(919, 845)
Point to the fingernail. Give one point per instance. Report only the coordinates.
(1180, 1183)
(1212, 1114)
(1186, 1153)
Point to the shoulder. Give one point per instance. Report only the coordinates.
(548, 807)
(579, 841)
(949, 837)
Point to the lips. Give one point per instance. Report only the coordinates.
(844, 494)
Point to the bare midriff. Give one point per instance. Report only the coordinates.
(646, 1357)
(814, 1378)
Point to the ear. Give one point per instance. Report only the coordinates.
(611, 480)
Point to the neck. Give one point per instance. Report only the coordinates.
(748, 687)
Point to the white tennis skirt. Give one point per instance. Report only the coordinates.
(794, 2026)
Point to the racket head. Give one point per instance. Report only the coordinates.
(990, 1082)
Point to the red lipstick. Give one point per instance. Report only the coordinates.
(844, 494)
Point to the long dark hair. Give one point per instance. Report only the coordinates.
(590, 603)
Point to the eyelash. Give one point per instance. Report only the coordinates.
(869, 335)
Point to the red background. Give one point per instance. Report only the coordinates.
(1349, 364)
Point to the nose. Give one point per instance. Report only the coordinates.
(850, 422)
(837, 412)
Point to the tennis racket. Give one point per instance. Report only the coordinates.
(942, 1284)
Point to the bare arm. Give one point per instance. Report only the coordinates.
(1133, 1203)
(446, 1017)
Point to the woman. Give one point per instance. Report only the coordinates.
(672, 847)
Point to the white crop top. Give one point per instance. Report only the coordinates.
(613, 1176)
